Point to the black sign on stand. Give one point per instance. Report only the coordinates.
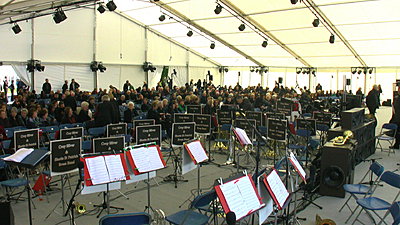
(203, 124)
(69, 133)
(307, 124)
(323, 118)
(242, 123)
(224, 117)
(257, 116)
(277, 129)
(109, 144)
(183, 118)
(279, 116)
(284, 106)
(26, 139)
(116, 129)
(147, 134)
(65, 156)
(194, 109)
(182, 132)
(137, 123)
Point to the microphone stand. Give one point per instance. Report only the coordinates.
(71, 204)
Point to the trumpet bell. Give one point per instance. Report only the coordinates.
(80, 208)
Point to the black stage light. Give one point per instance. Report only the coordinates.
(161, 18)
(212, 46)
(220, 70)
(294, 1)
(111, 6)
(59, 16)
(371, 70)
(94, 66)
(39, 67)
(101, 67)
(353, 70)
(365, 70)
(16, 28)
(315, 23)
(189, 33)
(251, 69)
(359, 71)
(226, 69)
(298, 70)
(332, 39)
(242, 27)
(218, 9)
(101, 9)
(30, 66)
(264, 44)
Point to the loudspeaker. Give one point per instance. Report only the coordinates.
(337, 169)
(6, 213)
(348, 81)
(353, 118)
(280, 80)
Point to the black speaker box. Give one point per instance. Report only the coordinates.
(280, 80)
(348, 81)
(337, 169)
(6, 213)
(353, 118)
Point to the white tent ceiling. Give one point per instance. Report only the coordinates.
(368, 29)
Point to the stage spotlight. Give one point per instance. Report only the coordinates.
(264, 44)
(189, 33)
(101, 9)
(315, 23)
(353, 70)
(371, 70)
(251, 69)
(226, 69)
(266, 70)
(332, 39)
(365, 70)
(298, 70)
(30, 66)
(359, 71)
(294, 1)
(94, 66)
(218, 9)
(111, 6)
(101, 67)
(39, 66)
(161, 18)
(242, 27)
(59, 16)
(313, 72)
(16, 28)
(212, 46)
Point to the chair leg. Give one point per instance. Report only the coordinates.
(356, 219)
(348, 199)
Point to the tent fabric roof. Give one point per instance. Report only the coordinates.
(368, 29)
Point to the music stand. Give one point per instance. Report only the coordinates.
(198, 155)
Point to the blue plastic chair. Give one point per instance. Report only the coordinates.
(395, 212)
(187, 217)
(6, 145)
(66, 126)
(362, 189)
(383, 136)
(374, 204)
(11, 183)
(87, 146)
(97, 131)
(141, 218)
(224, 134)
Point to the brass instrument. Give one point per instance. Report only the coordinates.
(341, 140)
(320, 221)
(80, 208)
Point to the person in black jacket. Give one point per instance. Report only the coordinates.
(373, 100)
(127, 86)
(74, 85)
(153, 113)
(105, 112)
(85, 114)
(46, 87)
(4, 122)
(65, 87)
(130, 113)
(145, 105)
(70, 100)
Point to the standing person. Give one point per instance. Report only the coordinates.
(359, 92)
(373, 100)
(127, 86)
(46, 87)
(12, 88)
(379, 93)
(5, 86)
(65, 87)
(74, 85)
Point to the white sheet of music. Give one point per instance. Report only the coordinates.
(248, 193)
(234, 199)
(97, 170)
(197, 151)
(243, 136)
(147, 159)
(297, 165)
(19, 155)
(277, 187)
(115, 169)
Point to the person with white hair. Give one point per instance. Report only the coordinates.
(85, 114)
(130, 113)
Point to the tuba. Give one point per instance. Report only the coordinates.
(320, 221)
(80, 208)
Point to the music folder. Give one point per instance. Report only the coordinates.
(239, 196)
(28, 158)
(299, 169)
(103, 169)
(276, 188)
(242, 137)
(145, 159)
(196, 151)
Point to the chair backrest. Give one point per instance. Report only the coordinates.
(389, 126)
(377, 169)
(50, 129)
(65, 126)
(391, 178)
(322, 127)
(6, 144)
(226, 127)
(395, 212)
(203, 200)
(2, 162)
(96, 131)
(303, 133)
(126, 219)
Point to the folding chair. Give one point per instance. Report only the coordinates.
(388, 133)
(395, 212)
(222, 140)
(374, 204)
(362, 189)
(65, 126)
(141, 218)
(97, 131)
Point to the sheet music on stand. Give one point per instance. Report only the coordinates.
(105, 169)
(242, 137)
(239, 196)
(293, 160)
(276, 188)
(196, 151)
(146, 159)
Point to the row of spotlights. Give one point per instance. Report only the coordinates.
(259, 69)
(360, 70)
(306, 70)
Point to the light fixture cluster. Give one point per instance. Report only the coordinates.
(111, 6)
(306, 70)
(363, 70)
(148, 66)
(259, 69)
(95, 66)
(34, 64)
(223, 69)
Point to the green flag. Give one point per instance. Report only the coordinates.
(164, 76)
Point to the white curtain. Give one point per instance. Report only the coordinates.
(154, 77)
(82, 74)
(22, 73)
(181, 77)
(55, 74)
